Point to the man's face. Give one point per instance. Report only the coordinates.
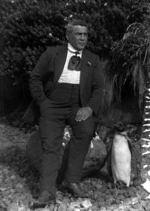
(78, 37)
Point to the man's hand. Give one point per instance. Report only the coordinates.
(83, 114)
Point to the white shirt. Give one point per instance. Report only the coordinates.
(70, 76)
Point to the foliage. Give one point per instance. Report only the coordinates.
(117, 33)
(26, 33)
(129, 59)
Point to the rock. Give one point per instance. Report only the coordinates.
(102, 209)
(134, 200)
(13, 207)
(80, 205)
(95, 158)
(94, 161)
(3, 209)
(146, 185)
(62, 207)
(74, 206)
(86, 204)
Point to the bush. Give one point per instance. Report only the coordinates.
(26, 34)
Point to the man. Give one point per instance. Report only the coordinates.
(67, 94)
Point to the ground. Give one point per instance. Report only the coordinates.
(19, 181)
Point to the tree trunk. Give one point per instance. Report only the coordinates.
(145, 141)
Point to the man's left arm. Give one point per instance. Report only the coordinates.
(98, 91)
(98, 87)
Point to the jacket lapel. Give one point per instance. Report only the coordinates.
(85, 65)
(59, 62)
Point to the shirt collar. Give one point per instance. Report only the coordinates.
(72, 49)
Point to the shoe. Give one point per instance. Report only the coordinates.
(74, 189)
(44, 199)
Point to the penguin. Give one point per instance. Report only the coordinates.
(121, 158)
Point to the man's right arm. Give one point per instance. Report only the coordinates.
(37, 78)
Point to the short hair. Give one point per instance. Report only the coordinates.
(75, 22)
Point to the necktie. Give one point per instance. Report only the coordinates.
(74, 62)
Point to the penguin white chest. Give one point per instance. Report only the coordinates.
(121, 160)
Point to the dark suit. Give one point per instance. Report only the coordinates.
(56, 114)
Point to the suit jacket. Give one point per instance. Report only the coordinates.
(48, 71)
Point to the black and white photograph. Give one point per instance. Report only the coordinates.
(74, 105)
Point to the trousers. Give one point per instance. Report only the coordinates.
(57, 111)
